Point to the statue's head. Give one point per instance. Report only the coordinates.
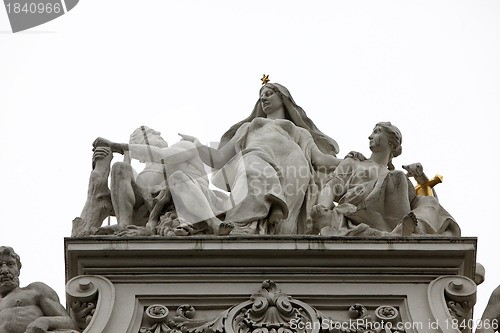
(10, 266)
(145, 135)
(278, 88)
(384, 134)
(281, 97)
(273, 96)
(270, 99)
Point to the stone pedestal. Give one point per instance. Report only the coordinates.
(273, 283)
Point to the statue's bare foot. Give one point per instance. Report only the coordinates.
(151, 225)
(409, 223)
(185, 229)
(224, 228)
(276, 215)
(319, 210)
(346, 209)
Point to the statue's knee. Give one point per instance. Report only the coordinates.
(253, 174)
(121, 170)
(177, 178)
(398, 178)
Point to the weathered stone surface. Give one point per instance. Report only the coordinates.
(98, 205)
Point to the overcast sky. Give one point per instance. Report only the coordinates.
(432, 68)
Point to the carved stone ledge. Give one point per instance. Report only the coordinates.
(160, 282)
(424, 258)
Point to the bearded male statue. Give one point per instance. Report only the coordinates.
(32, 309)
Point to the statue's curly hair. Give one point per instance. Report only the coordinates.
(141, 133)
(7, 250)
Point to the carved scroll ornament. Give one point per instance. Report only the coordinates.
(91, 301)
(268, 311)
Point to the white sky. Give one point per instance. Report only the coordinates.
(432, 68)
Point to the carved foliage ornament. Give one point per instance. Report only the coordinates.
(268, 311)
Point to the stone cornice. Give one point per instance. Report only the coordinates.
(249, 258)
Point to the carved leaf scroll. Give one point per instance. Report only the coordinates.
(451, 298)
(267, 311)
(270, 311)
(92, 299)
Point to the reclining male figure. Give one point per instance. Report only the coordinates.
(179, 167)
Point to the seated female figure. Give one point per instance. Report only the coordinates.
(376, 200)
(269, 160)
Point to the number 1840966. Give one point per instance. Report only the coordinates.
(33, 8)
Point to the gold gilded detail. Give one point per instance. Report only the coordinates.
(265, 79)
(426, 188)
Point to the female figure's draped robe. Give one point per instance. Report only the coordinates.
(271, 170)
(373, 198)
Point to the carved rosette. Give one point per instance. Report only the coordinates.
(386, 314)
(156, 316)
(156, 313)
